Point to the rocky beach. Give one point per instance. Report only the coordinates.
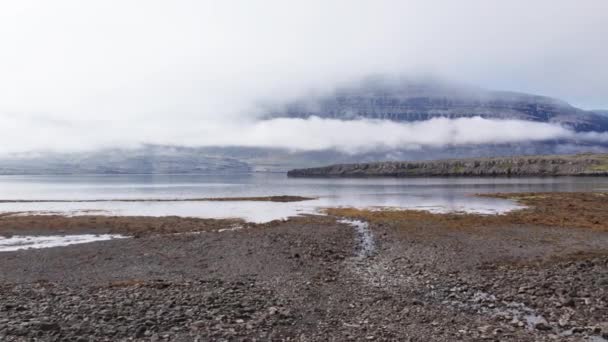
(303, 171)
(537, 274)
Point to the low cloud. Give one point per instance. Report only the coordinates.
(84, 75)
(351, 136)
(361, 135)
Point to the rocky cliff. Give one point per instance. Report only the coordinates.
(407, 100)
(573, 165)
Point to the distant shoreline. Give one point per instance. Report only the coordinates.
(518, 166)
(137, 173)
(283, 198)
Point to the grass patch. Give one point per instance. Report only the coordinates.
(566, 210)
(602, 166)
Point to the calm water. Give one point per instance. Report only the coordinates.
(435, 194)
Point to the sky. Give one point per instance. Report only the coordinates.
(89, 74)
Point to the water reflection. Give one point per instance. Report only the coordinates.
(434, 194)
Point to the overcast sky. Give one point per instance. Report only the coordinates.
(67, 67)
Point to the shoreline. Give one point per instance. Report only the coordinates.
(525, 276)
(556, 209)
(579, 165)
(282, 198)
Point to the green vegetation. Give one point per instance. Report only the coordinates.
(602, 167)
(458, 169)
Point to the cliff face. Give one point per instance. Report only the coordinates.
(576, 165)
(399, 100)
(601, 112)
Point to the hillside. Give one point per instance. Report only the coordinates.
(574, 165)
(146, 160)
(601, 112)
(379, 98)
(406, 100)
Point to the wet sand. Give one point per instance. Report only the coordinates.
(539, 274)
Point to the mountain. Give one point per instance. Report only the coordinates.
(154, 159)
(601, 112)
(375, 98)
(146, 160)
(406, 100)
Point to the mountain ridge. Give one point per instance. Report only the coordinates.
(403, 100)
(146, 160)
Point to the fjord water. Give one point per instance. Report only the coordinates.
(434, 194)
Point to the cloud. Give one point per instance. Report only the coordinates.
(141, 60)
(354, 136)
(360, 135)
(310, 134)
(88, 74)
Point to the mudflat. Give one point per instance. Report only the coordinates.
(538, 274)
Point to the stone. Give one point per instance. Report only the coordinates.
(542, 326)
(49, 326)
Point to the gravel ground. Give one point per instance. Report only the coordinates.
(314, 278)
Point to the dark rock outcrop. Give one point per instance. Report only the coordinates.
(575, 165)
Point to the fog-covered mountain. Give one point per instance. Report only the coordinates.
(600, 112)
(215, 160)
(145, 160)
(406, 100)
(374, 98)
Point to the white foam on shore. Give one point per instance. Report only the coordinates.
(20, 242)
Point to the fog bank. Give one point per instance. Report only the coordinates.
(310, 134)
